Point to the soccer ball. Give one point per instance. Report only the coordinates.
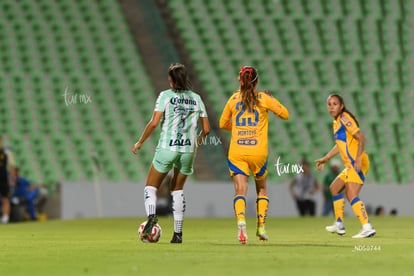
(155, 233)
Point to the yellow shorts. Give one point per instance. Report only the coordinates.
(243, 164)
(349, 174)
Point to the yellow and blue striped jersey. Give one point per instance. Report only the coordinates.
(249, 129)
(344, 128)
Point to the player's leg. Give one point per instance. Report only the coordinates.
(150, 191)
(239, 200)
(336, 189)
(262, 205)
(352, 193)
(352, 190)
(239, 170)
(178, 204)
(5, 202)
(239, 204)
(258, 165)
(161, 165)
(183, 168)
(150, 199)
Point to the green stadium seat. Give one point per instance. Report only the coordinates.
(84, 68)
(303, 50)
(315, 50)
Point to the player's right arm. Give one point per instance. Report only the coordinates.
(320, 163)
(149, 128)
(205, 129)
(225, 118)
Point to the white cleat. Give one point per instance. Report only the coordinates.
(336, 228)
(5, 220)
(365, 233)
(242, 233)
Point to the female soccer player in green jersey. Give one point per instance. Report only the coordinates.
(178, 110)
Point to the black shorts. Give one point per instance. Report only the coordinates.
(4, 187)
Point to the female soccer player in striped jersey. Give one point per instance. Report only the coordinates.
(246, 116)
(178, 109)
(349, 143)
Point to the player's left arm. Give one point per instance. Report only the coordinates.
(149, 128)
(361, 148)
(275, 106)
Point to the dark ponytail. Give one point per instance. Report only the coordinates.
(179, 76)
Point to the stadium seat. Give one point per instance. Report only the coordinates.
(304, 50)
(82, 47)
(307, 50)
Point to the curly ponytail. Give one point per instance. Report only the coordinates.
(248, 78)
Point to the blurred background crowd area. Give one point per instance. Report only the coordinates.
(79, 79)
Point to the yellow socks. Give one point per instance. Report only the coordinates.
(239, 203)
(262, 203)
(339, 204)
(359, 210)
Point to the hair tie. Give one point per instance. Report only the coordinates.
(249, 69)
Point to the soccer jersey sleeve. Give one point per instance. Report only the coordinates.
(160, 103)
(225, 119)
(203, 111)
(349, 123)
(275, 106)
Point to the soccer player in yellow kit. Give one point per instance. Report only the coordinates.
(246, 116)
(349, 143)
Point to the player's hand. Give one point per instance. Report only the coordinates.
(320, 163)
(136, 147)
(358, 164)
(200, 140)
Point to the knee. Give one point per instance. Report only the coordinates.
(241, 190)
(333, 190)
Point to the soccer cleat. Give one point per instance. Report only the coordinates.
(242, 232)
(152, 220)
(336, 228)
(365, 233)
(177, 238)
(5, 219)
(261, 233)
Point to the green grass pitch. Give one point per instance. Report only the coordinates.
(297, 246)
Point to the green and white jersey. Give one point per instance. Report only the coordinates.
(179, 124)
